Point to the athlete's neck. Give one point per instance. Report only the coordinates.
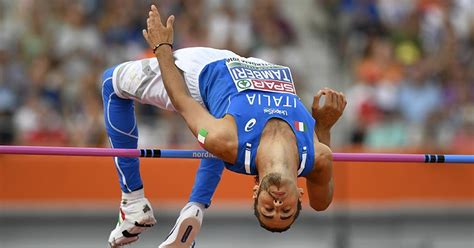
(277, 151)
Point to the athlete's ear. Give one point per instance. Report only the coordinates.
(300, 193)
(255, 190)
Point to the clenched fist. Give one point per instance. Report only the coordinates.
(331, 110)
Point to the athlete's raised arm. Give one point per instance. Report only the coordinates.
(213, 133)
(320, 182)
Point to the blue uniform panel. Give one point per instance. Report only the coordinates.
(216, 88)
(254, 93)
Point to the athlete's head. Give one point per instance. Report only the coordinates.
(277, 202)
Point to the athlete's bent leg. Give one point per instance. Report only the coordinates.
(136, 213)
(189, 221)
(141, 81)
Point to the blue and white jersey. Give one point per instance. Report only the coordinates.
(253, 92)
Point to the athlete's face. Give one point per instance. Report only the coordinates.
(277, 201)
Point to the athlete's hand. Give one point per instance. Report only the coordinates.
(156, 33)
(331, 110)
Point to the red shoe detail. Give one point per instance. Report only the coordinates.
(122, 214)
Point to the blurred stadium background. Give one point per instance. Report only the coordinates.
(406, 67)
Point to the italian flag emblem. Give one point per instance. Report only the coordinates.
(300, 126)
(202, 136)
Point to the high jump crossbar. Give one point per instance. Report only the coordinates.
(200, 154)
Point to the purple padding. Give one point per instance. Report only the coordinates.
(198, 154)
(69, 151)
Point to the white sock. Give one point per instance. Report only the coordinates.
(197, 204)
(137, 194)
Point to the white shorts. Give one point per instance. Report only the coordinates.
(141, 80)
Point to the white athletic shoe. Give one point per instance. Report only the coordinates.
(135, 216)
(186, 228)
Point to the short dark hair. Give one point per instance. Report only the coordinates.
(276, 229)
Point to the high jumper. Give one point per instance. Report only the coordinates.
(245, 111)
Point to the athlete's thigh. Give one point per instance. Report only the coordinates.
(142, 81)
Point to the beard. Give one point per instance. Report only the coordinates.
(269, 180)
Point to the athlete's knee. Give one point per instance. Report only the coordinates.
(107, 86)
(107, 73)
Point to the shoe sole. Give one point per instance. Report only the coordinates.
(187, 231)
(124, 241)
(138, 228)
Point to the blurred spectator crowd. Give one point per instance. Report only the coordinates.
(409, 64)
(412, 71)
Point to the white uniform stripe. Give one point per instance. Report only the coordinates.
(247, 158)
(303, 161)
(110, 78)
(107, 79)
(124, 180)
(134, 126)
